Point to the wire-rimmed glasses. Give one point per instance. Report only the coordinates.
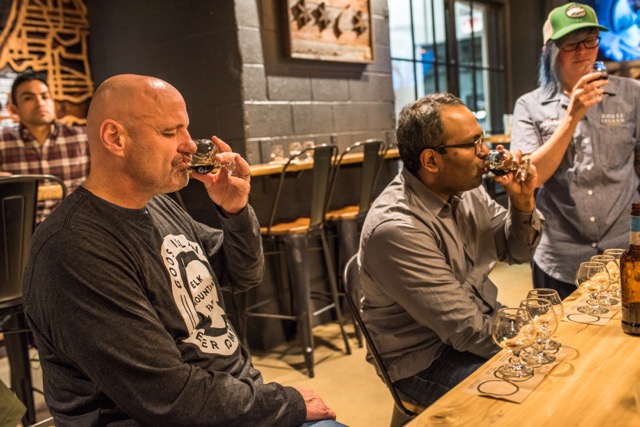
(513, 330)
(477, 144)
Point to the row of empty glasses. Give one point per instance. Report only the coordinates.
(277, 151)
(530, 325)
(526, 330)
(600, 279)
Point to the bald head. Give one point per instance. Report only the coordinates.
(140, 145)
(125, 98)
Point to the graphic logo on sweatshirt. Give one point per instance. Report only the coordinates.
(195, 292)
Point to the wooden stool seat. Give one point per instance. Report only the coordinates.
(413, 407)
(300, 225)
(347, 212)
(293, 241)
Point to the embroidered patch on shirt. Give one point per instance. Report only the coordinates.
(549, 122)
(612, 119)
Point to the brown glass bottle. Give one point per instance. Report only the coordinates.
(630, 277)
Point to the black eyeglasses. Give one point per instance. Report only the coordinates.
(590, 43)
(477, 144)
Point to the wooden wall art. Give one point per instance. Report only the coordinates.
(330, 30)
(50, 36)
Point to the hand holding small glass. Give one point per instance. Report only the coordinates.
(501, 162)
(204, 159)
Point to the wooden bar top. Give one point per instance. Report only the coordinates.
(262, 169)
(498, 139)
(593, 387)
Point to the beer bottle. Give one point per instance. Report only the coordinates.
(630, 277)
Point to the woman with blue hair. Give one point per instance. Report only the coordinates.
(581, 131)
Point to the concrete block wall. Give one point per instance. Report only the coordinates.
(287, 100)
(227, 59)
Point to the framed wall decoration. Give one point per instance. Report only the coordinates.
(329, 30)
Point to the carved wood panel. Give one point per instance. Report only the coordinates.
(330, 30)
(50, 36)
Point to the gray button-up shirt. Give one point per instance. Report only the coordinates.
(587, 201)
(424, 267)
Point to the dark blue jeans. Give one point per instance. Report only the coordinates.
(445, 372)
(543, 280)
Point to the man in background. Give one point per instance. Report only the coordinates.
(39, 144)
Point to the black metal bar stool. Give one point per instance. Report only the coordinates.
(295, 240)
(348, 220)
(18, 206)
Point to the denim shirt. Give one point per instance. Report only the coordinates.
(587, 201)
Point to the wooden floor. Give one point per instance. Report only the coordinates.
(348, 384)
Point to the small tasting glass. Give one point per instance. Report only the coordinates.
(501, 162)
(277, 154)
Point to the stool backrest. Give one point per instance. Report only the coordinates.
(353, 295)
(374, 152)
(18, 206)
(324, 161)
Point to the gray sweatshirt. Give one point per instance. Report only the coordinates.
(129, 321)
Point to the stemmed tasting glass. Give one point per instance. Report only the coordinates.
(613, 269)
(614, 289)
(545, 324)
(592, 278)
(295, 148)
(204, 159)
(512, 329)
(553, 297)
(501, 162)
(309, 154)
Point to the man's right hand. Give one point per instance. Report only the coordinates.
(316, 408)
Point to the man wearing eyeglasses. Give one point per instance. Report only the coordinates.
(582, 134)
(428, 245)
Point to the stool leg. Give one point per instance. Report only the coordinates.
(296, 248)
(17, 345)
(334, 289)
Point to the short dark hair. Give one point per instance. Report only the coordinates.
(420, 127)
(27, 76)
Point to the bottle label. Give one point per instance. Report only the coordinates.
(634, 236)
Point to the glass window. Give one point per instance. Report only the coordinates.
(425, 59)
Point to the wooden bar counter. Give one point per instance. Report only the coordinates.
(595, 386)
(275, 168)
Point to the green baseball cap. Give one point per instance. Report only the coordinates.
(568, 18)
